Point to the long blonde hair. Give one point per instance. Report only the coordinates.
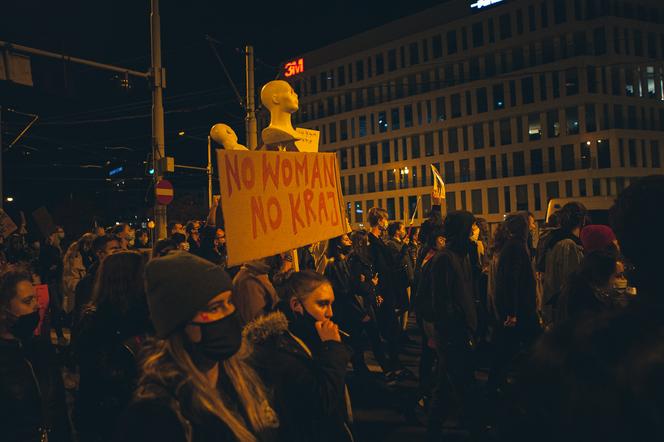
(166, 362)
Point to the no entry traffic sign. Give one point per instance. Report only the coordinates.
(164, 192)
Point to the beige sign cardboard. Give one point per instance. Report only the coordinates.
(278, 201)
(7, 226)
(308, 141)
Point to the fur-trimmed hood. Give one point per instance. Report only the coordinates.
(265, 327)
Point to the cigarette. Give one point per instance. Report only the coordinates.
(343, 333)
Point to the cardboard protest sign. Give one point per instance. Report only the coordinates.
(276, 201)
(7, 225)
(308, 141)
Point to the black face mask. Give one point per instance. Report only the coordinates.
(345, 249)
(25, 326)
(304, 327)
(220, 340)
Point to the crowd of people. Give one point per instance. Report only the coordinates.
(113, 338)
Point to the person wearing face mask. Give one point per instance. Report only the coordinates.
(590, 290)
(195, 384)
(388, 288)
(298, 352)
(32, 396)
(352, 309)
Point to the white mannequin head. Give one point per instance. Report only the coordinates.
(279, 96)
(224, 135)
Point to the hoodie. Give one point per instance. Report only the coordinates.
(253, 293)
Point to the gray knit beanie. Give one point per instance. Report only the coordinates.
(179, 285)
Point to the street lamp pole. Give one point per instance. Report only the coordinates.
(158, 138)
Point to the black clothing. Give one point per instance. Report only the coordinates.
(105, 345)
(580, 298)
(32, 395)
(164, 417)
(348, 306)
(84, 290)
(309, 389)
(516, 287)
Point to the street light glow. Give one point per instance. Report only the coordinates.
(10, 199)
(181, 133)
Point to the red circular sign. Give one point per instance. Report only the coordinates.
(164, 192)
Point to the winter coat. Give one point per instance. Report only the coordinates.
(349, 307)
(253, 293)
(308, 382)
(383, 264)
(32, 395)
(514, 288)
(362, 272)
(164, 417)
(452, 296)
(106, 346)
(403, 273)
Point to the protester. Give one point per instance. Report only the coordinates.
(352, 306)
(253, 292)
(455, 323)
(102, 246)
(143, 239)
(424, 310)
(195, 384)
(590, 289)
(513, 297)
(193, 237)
(76, 262)
(388, 287)
(32, 397)
(599, 377)
(105, 343)
(598, 237)
(562, 254)
(403, 271)
(50, 273)
(175, 227)
(298, 352)
(164, 247)
(126, 234)
(181, 241)
(414, 246)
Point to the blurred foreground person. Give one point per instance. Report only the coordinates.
(600, 377)
(195, 384)
(298, 352)
(32, 396)
(106, 341)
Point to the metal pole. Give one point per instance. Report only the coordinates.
(2, 198)
(34, 51)
(158, 139)
(250, 121)
(209, 171)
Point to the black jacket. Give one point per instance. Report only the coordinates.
(516, 288)
(383, 264)
(452, 295)
(164, 417)
(106, 346)
(349, 306)
(32, 396)
(309, 390)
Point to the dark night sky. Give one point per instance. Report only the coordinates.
(45, 167)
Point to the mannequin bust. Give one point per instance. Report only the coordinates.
(224, 135)
(281, 100)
